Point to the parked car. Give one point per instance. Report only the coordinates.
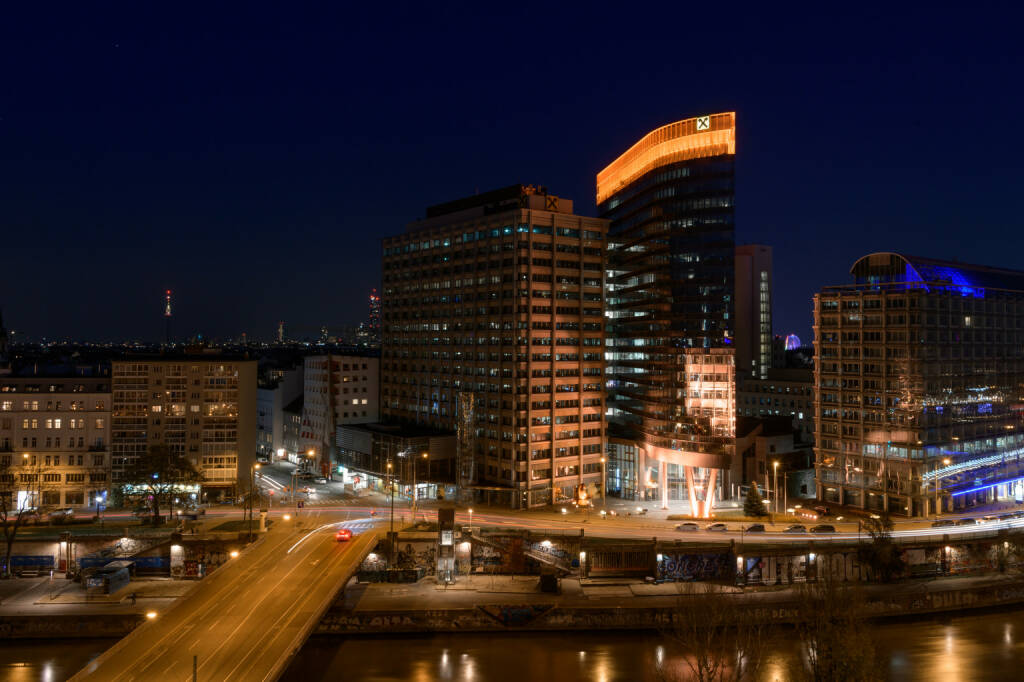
(689, 526)
(966, 522)
(823, 528)
(320, 479)
(343, 535)
(943, 523)
(755, 528)
(1007, 517)
(796, 529)
(989, 517)
(718, 527)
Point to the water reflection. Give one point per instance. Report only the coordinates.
(976, 647)
(979, 647)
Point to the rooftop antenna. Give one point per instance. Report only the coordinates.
(167, 316)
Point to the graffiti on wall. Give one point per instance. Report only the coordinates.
(694, 566)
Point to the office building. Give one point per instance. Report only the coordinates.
(202, 407)
(671, 270)
(753, 309)
(783, 392)
(337, 390)
(492, 311)
(54, 441)
(918, 383)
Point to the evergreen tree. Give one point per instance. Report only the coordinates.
(753, 505)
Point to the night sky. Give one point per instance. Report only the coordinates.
(252, 160)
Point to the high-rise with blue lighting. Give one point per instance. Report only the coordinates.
(918, 378)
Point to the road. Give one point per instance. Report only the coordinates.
(247, 618)
(331, 498)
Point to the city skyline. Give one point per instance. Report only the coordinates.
(147, 154)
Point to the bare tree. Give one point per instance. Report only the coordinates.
(835, 639)
(11, 519)
(723, 638)
(157, 473)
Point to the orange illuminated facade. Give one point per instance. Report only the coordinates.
(691, 138)
(669, 355)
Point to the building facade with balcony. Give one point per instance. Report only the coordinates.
(918, 386)
(492, 310)
(670, 297)
(202, 407)
(54, 441)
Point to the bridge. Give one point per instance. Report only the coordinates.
(248, 618)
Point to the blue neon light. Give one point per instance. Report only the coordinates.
(990, 485)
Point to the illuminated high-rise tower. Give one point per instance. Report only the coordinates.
(670, 285)
(167, 316)
(280, 331)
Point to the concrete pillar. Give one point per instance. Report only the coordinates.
(663, 482)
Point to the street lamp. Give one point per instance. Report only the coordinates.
(415, 494)
(946, 461)
(252, 485)
(470, 520)
(604, 484)
(775, 485)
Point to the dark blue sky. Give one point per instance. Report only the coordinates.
(251, 160)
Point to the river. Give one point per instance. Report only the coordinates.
(984, 646)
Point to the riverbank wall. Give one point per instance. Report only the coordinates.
(881, 602)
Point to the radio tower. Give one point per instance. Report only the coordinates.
(167, 316)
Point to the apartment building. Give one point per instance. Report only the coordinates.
(54, 441)
(277, 388)
(202, 407)
(492, 311)
(918, 386)
(337, 390)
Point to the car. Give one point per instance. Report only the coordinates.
(717, 527)
(1007, 517)
(966, 522)
(320, 479)
(61, 514)
(688, 526)
(943, 523)
(823, 528)
(796, 529)
(755, 528)
(306, 489)
(822, 511)
(262, 460)
(989, 517)
(343, 535)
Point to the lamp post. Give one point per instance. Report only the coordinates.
(946, 461)
(775, 485)
(415, 494)
(470, 520)
(391, 480)
(604, 485)
(252, 485)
